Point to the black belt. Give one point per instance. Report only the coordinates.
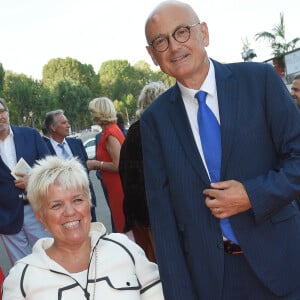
(232, 248)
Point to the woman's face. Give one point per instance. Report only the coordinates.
(66, 215)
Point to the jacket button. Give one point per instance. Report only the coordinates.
(220, 245)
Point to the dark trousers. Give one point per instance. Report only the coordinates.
(241, 283)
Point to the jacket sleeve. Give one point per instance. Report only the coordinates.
(163, 221)
(271, 191)
(146, 271)
(12, 285)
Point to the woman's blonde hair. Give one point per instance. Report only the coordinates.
(149, 93)
(102, 111)
(68, 173)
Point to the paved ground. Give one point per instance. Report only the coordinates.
(102, 211)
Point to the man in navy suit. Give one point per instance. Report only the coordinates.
(259, 174)
(19, 228)
(60, 144)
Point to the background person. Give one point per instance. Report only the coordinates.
(46, 135)
(132, 175)
(107, 157)
(255, 178)
(295, 89)
(19, 228)
(81, 261)
(121, 124)
(60, 144)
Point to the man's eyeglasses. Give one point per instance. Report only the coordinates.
(2, 110)
(182, 34)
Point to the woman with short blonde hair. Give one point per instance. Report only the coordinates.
(102, 111)
(80, 261)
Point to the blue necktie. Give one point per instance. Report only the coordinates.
(64, 152)
(210, 134)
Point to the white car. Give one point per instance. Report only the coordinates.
(90, 147)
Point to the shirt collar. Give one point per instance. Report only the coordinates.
(11, 133)
(56, 143)
(208, 85)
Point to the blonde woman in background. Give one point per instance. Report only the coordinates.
(131, 171)
(107, 157)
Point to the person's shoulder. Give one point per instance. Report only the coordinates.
(29, 132)
(24, 129)
(248, 66)
(71, 139)
(133, 127)
(244, 70)
(74, 141)
(113, 129)
(123, 241)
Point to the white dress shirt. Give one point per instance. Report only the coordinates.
(8, 150)
(59, 150)
(191, 104)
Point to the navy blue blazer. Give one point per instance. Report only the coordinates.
(78, 150)
(29, 145)
(260, 127)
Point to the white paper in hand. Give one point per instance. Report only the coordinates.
(21, 167)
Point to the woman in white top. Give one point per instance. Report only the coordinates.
(81, 261)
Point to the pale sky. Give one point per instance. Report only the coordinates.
(92, 31)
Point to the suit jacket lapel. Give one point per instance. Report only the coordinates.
(228, 109)
(183, 129)
(19, 142)
(71, 145)
(50, 147)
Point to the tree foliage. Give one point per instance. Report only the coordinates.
(69, 85)
(71, 70)
(23, 95)
(2, 73)
(74, 99)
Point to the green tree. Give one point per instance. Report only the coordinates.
(115, 77)
(71, 70)
(74, 99)
(27, 99)
(123, 83)
(20, 94)
(2, 74)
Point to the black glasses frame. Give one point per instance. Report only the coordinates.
(167, 37)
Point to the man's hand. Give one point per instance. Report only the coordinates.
(226, 198)
(21, 182)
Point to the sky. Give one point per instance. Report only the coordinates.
(32, 32)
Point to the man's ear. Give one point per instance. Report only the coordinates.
(52, 128)
(204, 33)
(150, 51)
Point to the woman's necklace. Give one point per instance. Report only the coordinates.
(94, 254)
